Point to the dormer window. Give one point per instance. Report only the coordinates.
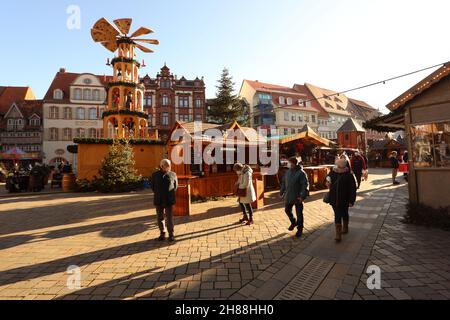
(289, 101)
(301, 103)
(57, 94)
(281, 100)
(77, 94)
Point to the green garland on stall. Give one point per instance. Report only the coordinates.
(124, 112)
(123, 141)
(125, 60)
(125, 84)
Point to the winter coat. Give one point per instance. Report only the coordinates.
(294, 185)
(245, 181)
(342, 188)
(164, 186)
(394, 162)
(358, 164)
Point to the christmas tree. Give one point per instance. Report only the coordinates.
(228, 107)
(117, 171)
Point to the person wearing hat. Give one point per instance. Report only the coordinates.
(395, 165)
(342, 196)
(294, 191)
(248, 195)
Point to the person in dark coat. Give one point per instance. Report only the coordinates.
(165, 185)
(394, 165)
(358, 165)
(342, 196)
(294, 191)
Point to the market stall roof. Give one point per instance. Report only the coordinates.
(394, 121)
(250, 135)
(351, 126)
(307, 133)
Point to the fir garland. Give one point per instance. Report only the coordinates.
(125, 60)
(125, 112)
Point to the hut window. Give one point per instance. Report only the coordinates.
(430, 145)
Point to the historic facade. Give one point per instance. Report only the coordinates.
(21, 133)
(73, 107)
(168, 99)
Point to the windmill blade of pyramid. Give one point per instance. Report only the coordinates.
(123, 25)
(141, 31)
(145, 49)
(151, 41)
(110, 45)
(104, 26)
(100, 36)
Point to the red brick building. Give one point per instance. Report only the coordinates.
(168, 99)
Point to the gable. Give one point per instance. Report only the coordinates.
(87, 79)
(14, 112)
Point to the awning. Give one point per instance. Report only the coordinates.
(392, 122)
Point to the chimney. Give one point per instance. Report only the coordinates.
(62, 70)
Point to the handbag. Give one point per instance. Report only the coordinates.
(241, 193)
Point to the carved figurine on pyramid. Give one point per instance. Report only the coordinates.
(125, 92)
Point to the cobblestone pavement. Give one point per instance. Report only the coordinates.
(112, 240)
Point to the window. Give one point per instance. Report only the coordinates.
(183, 102)
(286, 131)
(92, 133)
(198, 103)
(77, 94)
(67, 134)
(148, 100)
(57, 94)
(286, 116)
(265, 98)
(313, 119)
(198, 117)
(183, 117)
(301, 103)
(430, 144)
(35, 122)
(293, 117)
(92, 114)
(53, 134)
(54, 113)
(81, 133)
(100, 113)
(165, 83)
(165, 100)
(165, 119)
(67, 113)
(308, 104)
(96, 95)
(292, 131)
(289, 101)
(80, 114)
(300, 118)
(281, 100)
(87, 94)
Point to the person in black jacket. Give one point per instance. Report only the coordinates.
(395, 165)
(164, 185)
(405, 160)
(342, 196)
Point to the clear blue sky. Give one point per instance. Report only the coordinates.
(333, 44)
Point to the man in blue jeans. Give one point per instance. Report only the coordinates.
(294, 191)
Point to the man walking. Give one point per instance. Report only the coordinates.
(164, 185)
(358, 165)
(395, 165)
(295, 190)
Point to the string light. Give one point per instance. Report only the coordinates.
(444, 64)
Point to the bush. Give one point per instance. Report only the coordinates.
(422, 215)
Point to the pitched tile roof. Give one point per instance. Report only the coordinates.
(267, 87)
(330, 100)
(63, 80)
(9, 95)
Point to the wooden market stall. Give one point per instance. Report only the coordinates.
(314, 152)
(423, 112)
(191, 142)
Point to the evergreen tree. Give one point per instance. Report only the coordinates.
(228, 107)
(117, 169)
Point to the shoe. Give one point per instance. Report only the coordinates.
(299, 234)
(293, 225)
(171, 238)
(244, 219)
(162, 237)
(338, 237)
(249, 222)
(396, 183)
(345, 227)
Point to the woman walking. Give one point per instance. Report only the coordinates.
(342, 196)
(245, 191)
